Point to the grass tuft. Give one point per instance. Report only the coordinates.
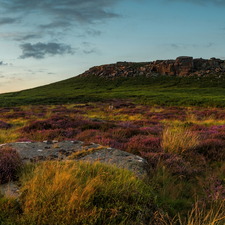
(178, 139)
(83, 193)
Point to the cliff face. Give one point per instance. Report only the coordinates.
(182, 66)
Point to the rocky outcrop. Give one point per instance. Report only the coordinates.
(182, 66)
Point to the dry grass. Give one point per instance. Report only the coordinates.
(7, 136)
(197, 216)
(79, 154)
(178, 139)
(81, 193)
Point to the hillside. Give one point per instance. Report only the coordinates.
(189, 82)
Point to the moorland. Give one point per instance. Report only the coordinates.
(176, 124)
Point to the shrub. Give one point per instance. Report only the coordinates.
(58, 134)
(139, 144)
(127, 132)
(55, 122)
(154, 130)
(4, 125)
(174, 163)
(17, 115)
(10, 162)
(142, 123)
(212, 149)
(87, 135)
(108, 142)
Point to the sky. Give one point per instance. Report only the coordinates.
(45, 41)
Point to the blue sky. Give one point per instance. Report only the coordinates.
(44, 41)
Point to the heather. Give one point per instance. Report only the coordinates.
(10, 162)
(184, 147)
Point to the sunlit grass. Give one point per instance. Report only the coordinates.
(20, 122)
(197, 216)
(81, 193)
(178, 139)
(48, 114)
(215, 215)
(210, 122)
(7, 136)
(156, 109)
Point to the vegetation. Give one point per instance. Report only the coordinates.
(162, 90)
(81, 193)
(176, 124)
(10, 162)
(184, 147)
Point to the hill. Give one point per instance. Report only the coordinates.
(184, 81)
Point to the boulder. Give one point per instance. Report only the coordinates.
(222, 65)
(197, 63)
(183, 65)
(165, 67)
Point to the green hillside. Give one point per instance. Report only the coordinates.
(161, 90)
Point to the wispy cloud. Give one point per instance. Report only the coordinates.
(27, 37)
(8, 20)
(55, 24)
(178, 46)
(90, 51)
(201, 2)
(3, 64)
(41, 50)
(77, 11)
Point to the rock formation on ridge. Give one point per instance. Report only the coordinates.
(182, 66)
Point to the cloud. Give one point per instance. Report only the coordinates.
(41, 50)
(3, 64)
(201, 2)
(177, 46)
(27, 37)
(20, 36)
(56, 24)
(54, 19)
(85, 11)
(94, 33)
(7, 20)
(93, 50)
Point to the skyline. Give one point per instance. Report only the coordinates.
(47, 41)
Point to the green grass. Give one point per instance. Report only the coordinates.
(163, 90)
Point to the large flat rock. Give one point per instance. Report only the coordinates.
(41, 151)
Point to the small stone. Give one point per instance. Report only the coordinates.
(217, 70)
